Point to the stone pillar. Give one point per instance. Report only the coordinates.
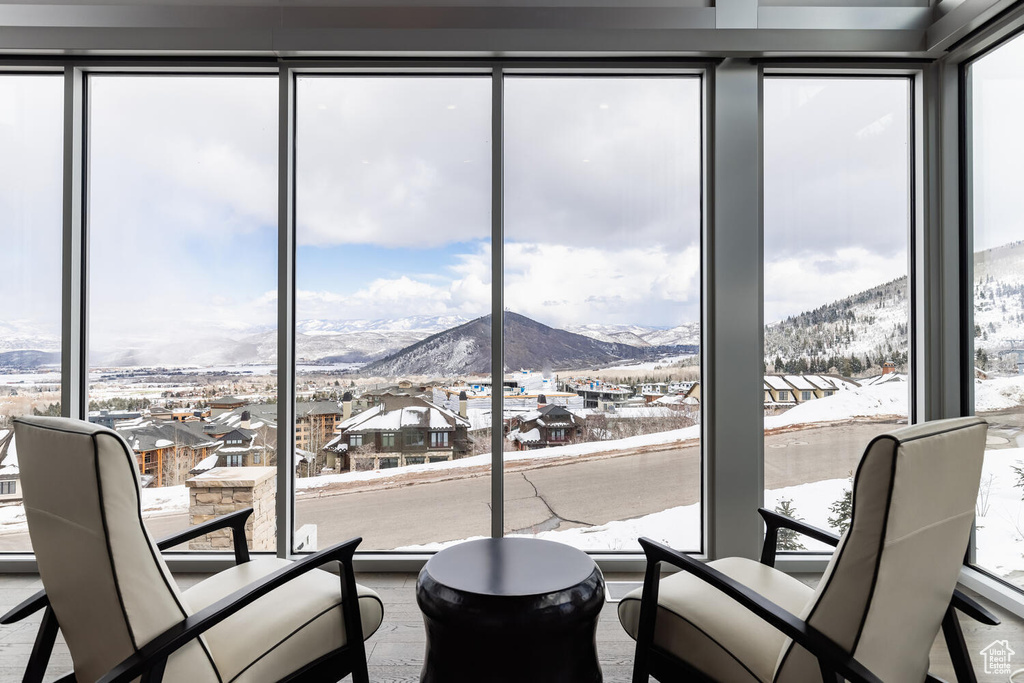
(226, 489)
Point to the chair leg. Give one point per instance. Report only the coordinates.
(645, 628)
(155, 673)
(42, 648)
(827, 674)
(360, 674)
(957, 647)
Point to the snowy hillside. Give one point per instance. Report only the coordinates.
(428, 324)
(999, 308)
(638, 335)
(328, 341)
(849, 336)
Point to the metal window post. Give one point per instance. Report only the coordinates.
(74, 363)
(286, 313)
(497, 307)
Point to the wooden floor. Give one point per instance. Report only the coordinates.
(396, 650)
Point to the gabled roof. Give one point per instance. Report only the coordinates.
(799, 383)
(819, 382)
(317, 408)
(396, 412)
(777, 383)
(150, 436)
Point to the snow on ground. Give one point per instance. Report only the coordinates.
(1001, 513)
(1000, 393)
(679, 527)
(885, 399)
(155, 501)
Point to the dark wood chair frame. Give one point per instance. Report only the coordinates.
(149, 661)
(835, 663)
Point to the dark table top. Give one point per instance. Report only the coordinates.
(510, 567)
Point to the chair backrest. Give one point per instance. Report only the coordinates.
(106, 581)
(883, 595)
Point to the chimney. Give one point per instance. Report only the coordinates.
(541, 400)
(246, 420)
(888, 367)
(346, 405)
(463, 403)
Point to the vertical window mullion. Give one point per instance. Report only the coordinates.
(74, 367)
(732, 403)
(497, 306)
(286, 313)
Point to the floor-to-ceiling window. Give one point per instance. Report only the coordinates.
(393, 234)
(31, 134)
(182, 223)
(996, 301)
(602, 292)
(837, 218)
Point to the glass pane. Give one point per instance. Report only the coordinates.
(836, 230)
(31, 147)
(997, 97)
(393, 309)
(182, 285)
(602, 295)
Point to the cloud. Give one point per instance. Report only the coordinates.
(393, 161)
(806, 280)
(31, 127)
(836, 165)
(464, 289)
(183, 155)
(561, 285)
(605, 161)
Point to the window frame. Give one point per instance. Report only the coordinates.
(916, 228)
(977, 577)
(722, 531)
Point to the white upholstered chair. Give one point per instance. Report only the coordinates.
(877, 608)
(121, 614)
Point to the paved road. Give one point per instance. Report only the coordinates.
(584, 493)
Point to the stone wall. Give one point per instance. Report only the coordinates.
(226, 489)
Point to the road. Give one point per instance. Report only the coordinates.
(550, 496)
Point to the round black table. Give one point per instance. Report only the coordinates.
(510, 609)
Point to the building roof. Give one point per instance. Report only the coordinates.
(800, 383)
(149, 436)
(777, 383)
(317, 408)
(397, 412)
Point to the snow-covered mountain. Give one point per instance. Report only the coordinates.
(999, 308)
(466, 349)
(638, 335)
(316, 341)
(415, 323)
(848, 336)
(21, 335)
(857, 334)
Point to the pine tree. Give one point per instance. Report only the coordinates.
(788, 539)
(842, 510)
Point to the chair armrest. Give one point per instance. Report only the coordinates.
(26, 607)
(153, 654)
(774, 521)
(817, 643)
(973, 609)
(235, 520)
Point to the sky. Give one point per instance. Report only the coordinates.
(602, 196)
